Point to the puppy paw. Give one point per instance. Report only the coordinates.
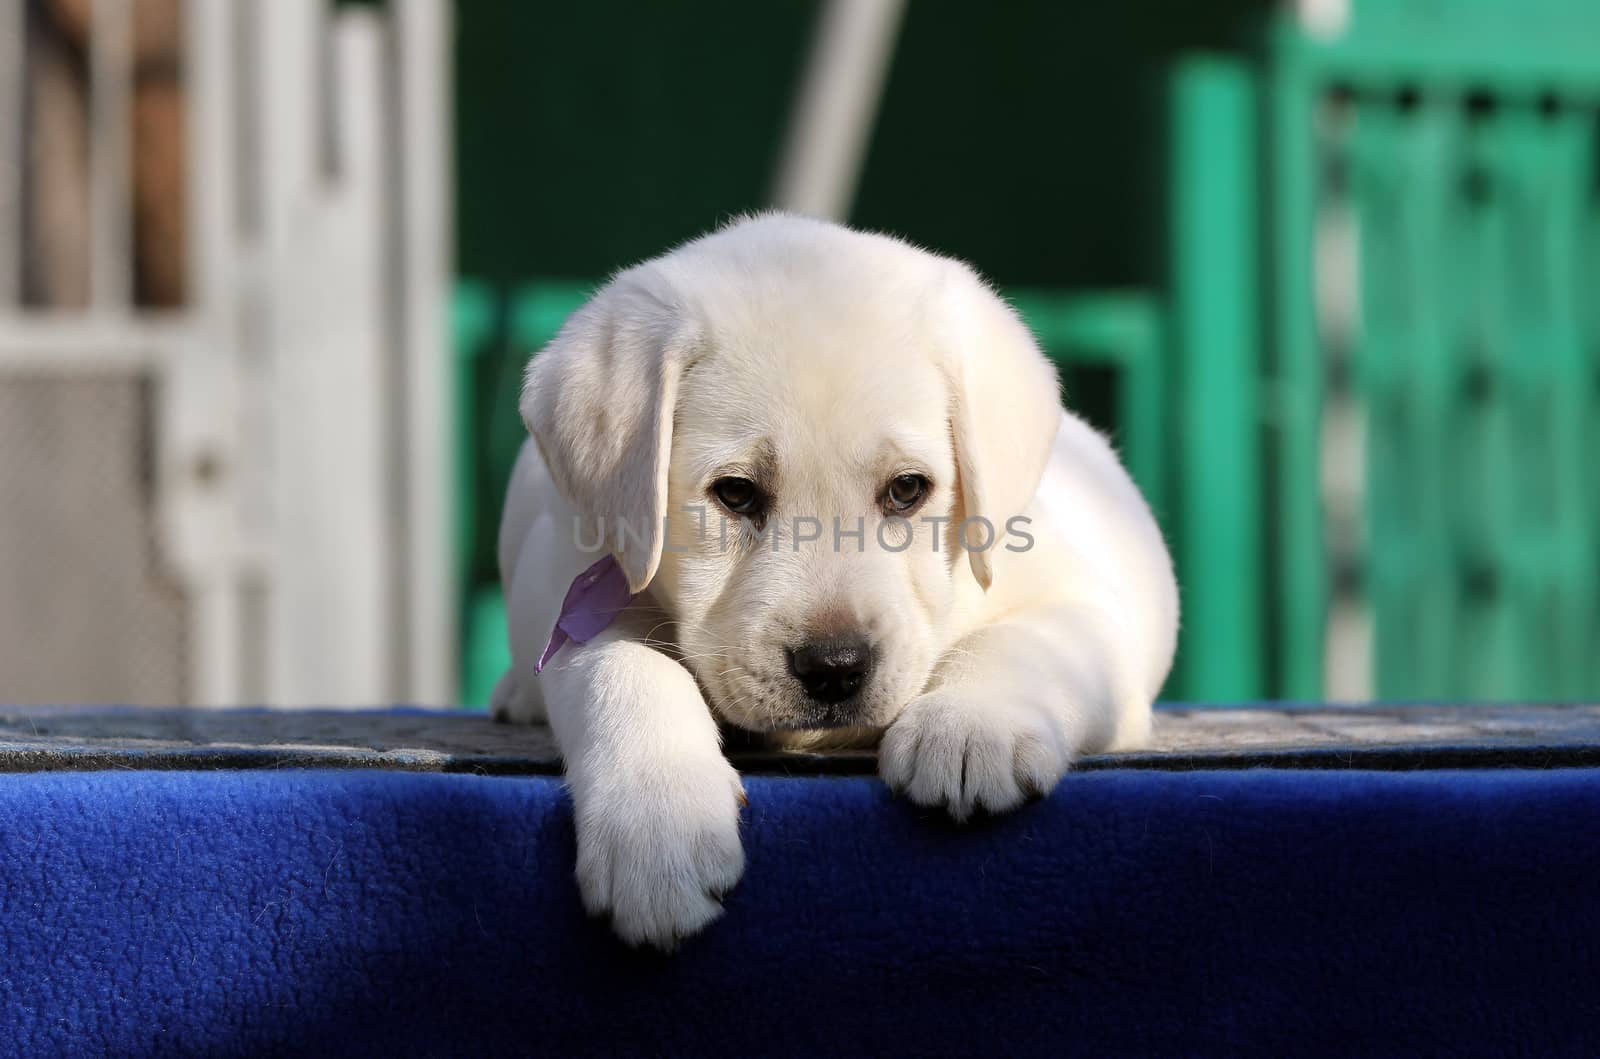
(658, 848)
(946, 751)
(511, 704)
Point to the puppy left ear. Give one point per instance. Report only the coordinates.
(599, 400)
(1005, 411)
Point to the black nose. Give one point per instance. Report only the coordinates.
(833, 669)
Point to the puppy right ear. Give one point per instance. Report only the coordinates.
(598, 401)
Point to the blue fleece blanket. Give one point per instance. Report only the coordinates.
(1275, 912)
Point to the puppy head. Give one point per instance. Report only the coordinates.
(782, 429)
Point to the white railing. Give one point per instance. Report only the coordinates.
(301, 455)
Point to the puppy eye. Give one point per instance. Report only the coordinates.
(904, 493)
(740, 496)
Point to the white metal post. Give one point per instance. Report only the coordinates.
(201, 455)
(111, 155)
(423, 45)
(820, 166)
(331, 586)
(13, 97)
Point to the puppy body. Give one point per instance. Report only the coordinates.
(1021, 612)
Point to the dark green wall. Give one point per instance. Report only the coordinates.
(592, 135)
(1019, 135)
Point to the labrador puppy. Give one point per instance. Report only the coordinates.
(830, 482)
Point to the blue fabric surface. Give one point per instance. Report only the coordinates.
(1277, 912)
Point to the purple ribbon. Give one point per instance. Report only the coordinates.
(593, 602)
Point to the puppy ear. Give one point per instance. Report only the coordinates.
(1005, 411)
(599, 401)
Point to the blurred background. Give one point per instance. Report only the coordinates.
(1326, 271)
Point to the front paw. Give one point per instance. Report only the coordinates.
(948, 751)
(658, 846)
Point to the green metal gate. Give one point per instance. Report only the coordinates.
(1450, 150)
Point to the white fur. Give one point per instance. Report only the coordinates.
(830, 360)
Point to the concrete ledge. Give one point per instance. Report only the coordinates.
(1186, 738)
